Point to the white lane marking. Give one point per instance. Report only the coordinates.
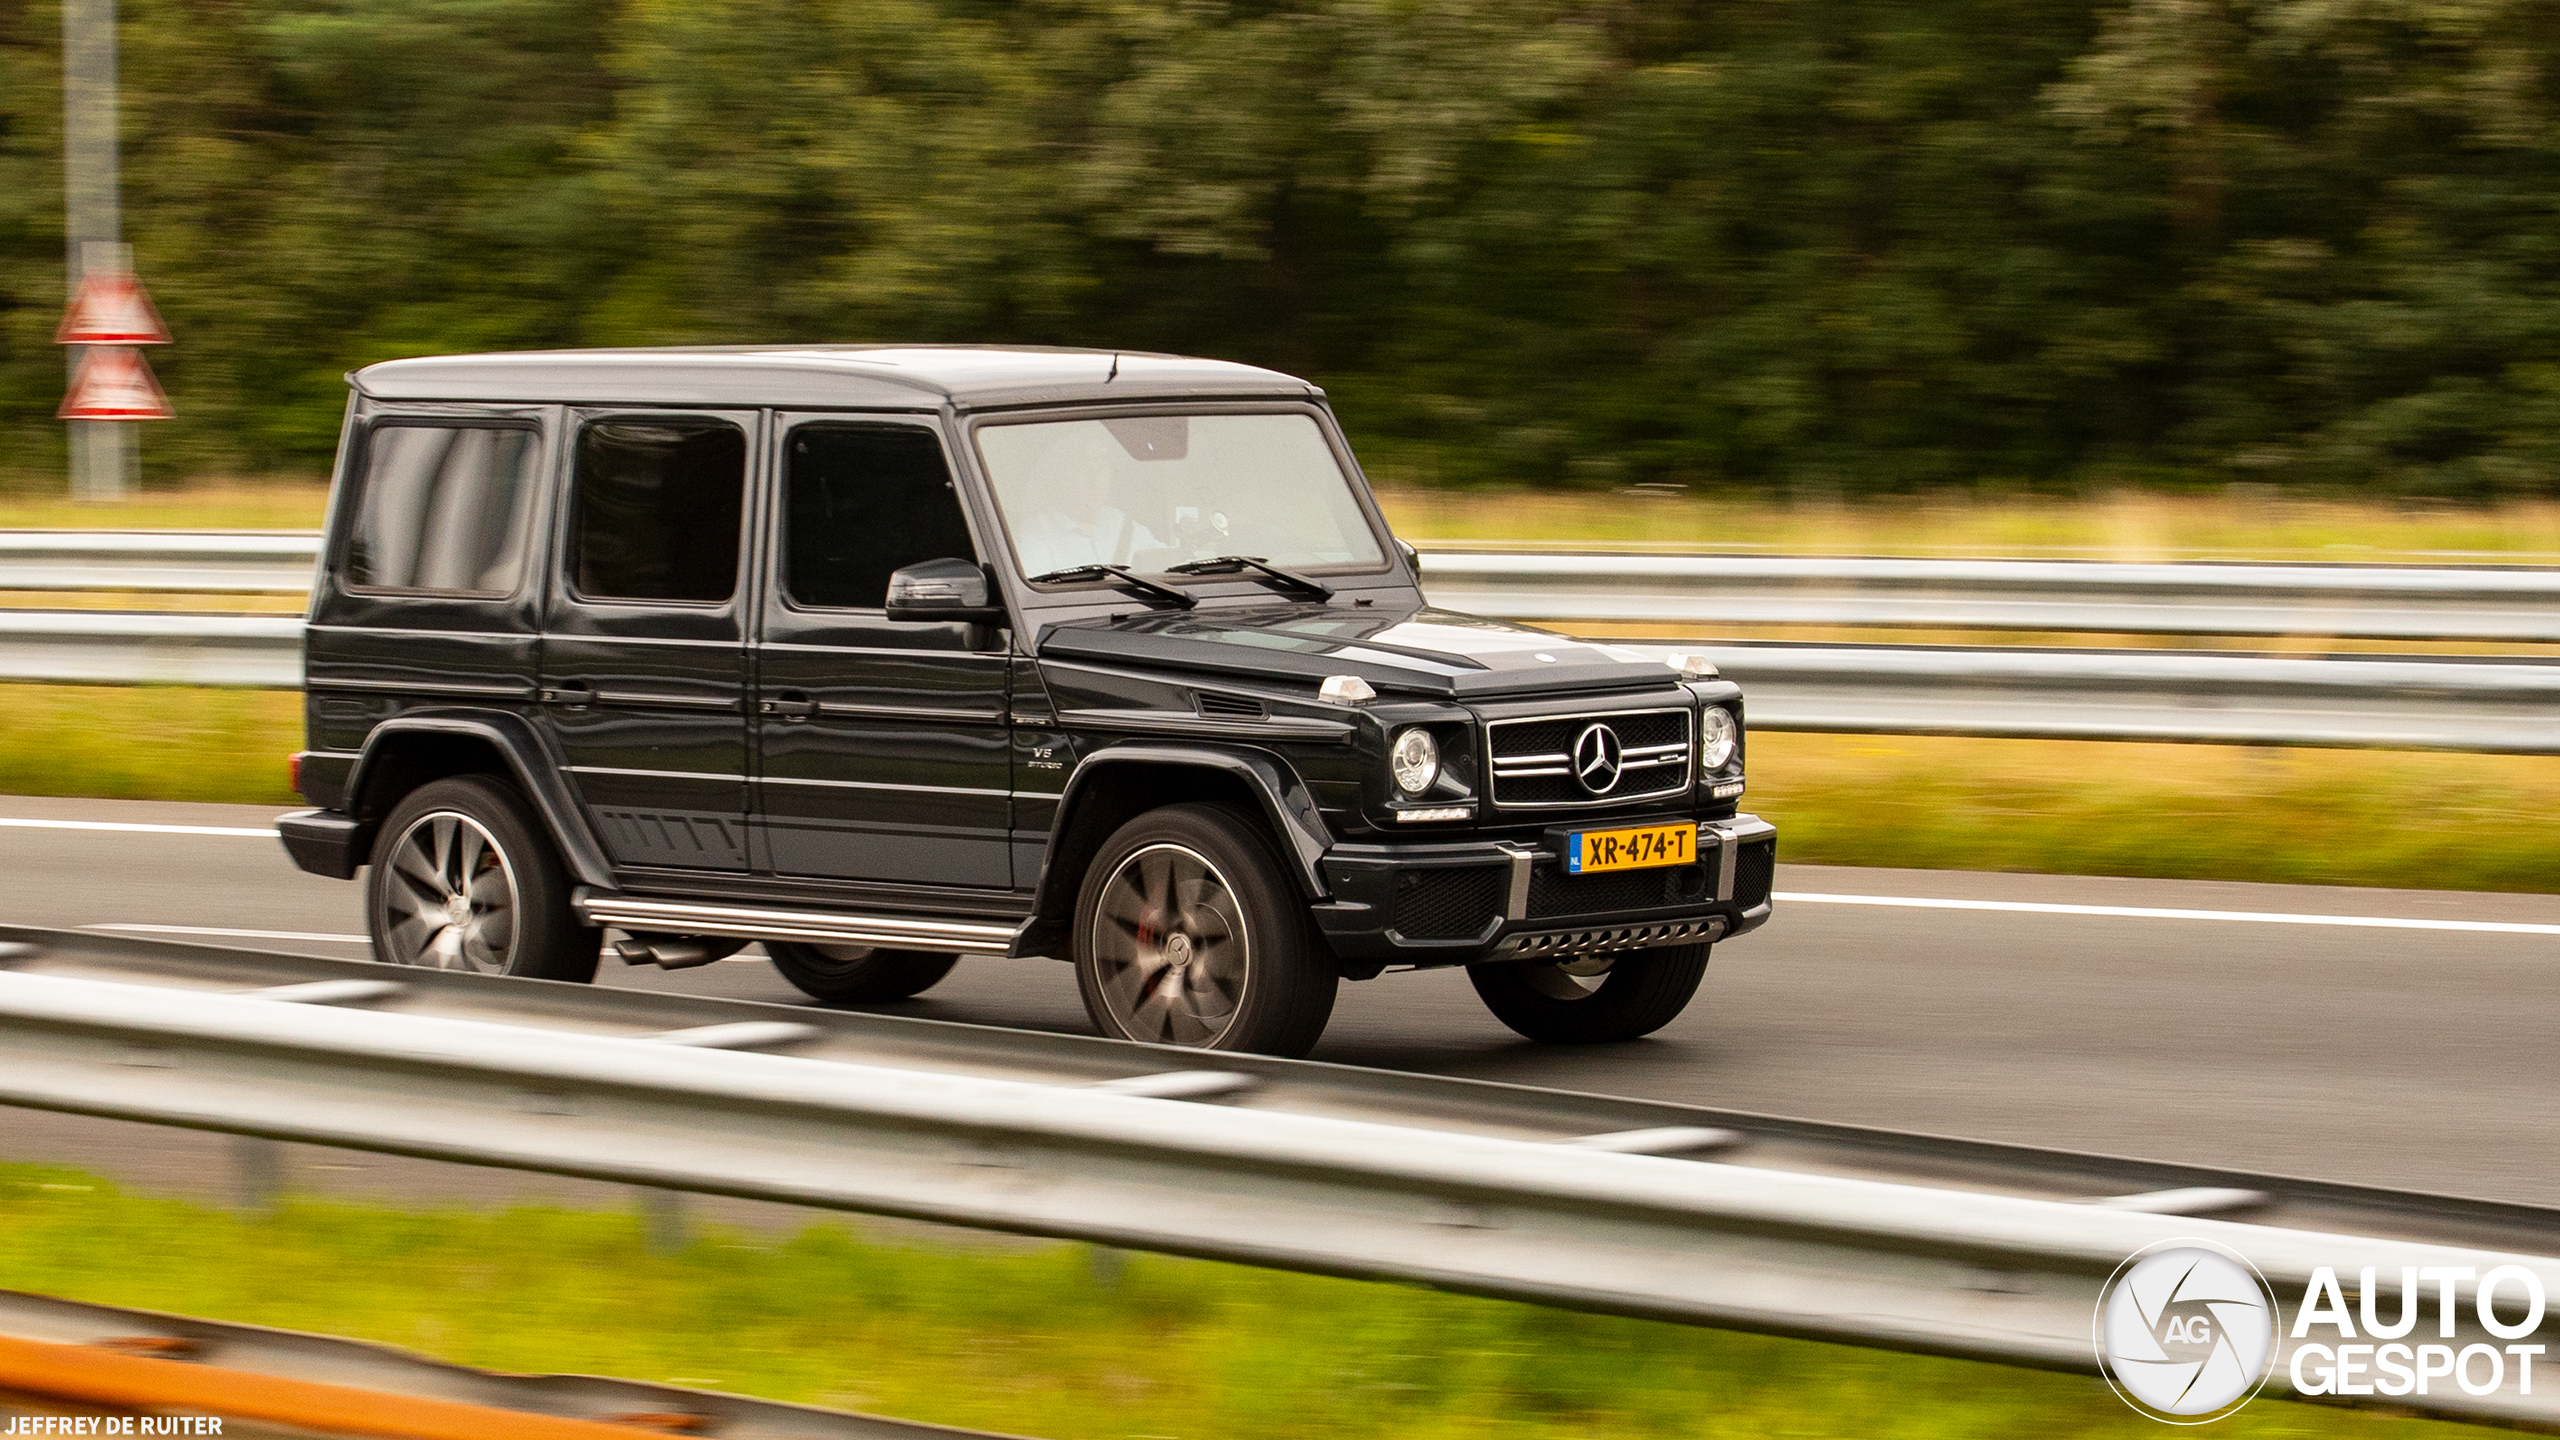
(2139, 912)
(137, 829)
(233, 934)
(2021, 907)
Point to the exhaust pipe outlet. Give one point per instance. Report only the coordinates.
(674, 952)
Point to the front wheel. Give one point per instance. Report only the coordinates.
(464, 879)
(1187, 932)
(1591, 1000)
(857, 974)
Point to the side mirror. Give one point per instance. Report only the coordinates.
(946, 589)
(1412, 556)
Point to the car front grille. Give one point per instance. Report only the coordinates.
(1534, 761)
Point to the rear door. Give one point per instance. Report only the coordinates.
(884, 745)
(643, 649)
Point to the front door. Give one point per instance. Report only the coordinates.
(884, 745)
(643, 656)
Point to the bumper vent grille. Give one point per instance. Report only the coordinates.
(1556, 895)
(1535, 762)
(1449, 904)
(1755, 873)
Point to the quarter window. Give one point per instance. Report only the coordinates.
(657, 507)
(865, 500)
(442, 509)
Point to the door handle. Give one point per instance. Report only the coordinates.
(575, 694)
(791, 705)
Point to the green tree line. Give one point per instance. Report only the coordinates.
(1818, 246)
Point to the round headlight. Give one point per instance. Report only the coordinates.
(1716, 734)
(1415, 761)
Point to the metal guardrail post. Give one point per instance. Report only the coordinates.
(257, 1174)
(665, 1222)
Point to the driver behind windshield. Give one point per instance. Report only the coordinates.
(1155, 491)
(1075, 520)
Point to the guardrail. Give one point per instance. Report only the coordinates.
(947, 1123)
(2478, 602)
(206, 562)
(2404, 702)
(2379, 602)
(151, 647)
(2396, 701)
(2514, 604)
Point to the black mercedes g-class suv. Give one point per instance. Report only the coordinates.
(886, 656)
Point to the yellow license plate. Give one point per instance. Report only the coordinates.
(1588, 852)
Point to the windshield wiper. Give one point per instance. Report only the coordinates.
(1146, 588)
(1230, 564)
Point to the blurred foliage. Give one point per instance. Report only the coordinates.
(1027, 1340)
(1815, 246)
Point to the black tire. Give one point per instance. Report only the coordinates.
(1188, 932)
(857, 974)
(1644, 991)
(463, 878)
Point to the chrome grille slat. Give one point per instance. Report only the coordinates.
(1655, 748)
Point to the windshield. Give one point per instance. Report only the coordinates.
(1155, 491)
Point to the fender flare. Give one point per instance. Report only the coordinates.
(529, 763)
(1287, 806)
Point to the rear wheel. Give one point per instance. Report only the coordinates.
(464, 879)
(1594, 999)
(1187, 932)
(857, 974)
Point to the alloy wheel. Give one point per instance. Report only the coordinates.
(451, 899)
(1170, 947)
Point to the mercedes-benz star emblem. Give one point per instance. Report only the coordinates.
(1597, 758)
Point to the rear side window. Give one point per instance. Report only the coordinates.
(865, 500)
(442, 509)
(656, 510)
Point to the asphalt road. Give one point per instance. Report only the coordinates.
(2403, 1057)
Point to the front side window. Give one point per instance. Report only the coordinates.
(442, 509)
(865, 501)
(657, 509)
(1155, 491)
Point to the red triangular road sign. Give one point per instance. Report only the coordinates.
(111, 309)
(114, 384)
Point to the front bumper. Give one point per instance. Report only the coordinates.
(1469, 901)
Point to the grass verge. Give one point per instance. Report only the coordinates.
(228, 505)
(1032, 1343)
(2239, 524)
(2197, 812)
(2454, 822)
(148, 742)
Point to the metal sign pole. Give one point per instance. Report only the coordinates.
(105, 455)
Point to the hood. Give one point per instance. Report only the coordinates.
(1421, 651)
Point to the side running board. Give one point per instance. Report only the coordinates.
(684, 917)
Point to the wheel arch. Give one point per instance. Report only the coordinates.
(408, 751)
(1118, 783)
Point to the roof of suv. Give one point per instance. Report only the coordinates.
(895, 377)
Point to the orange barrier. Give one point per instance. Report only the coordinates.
(92, 1375)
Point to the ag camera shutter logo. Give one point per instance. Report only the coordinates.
(2185, 1330)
